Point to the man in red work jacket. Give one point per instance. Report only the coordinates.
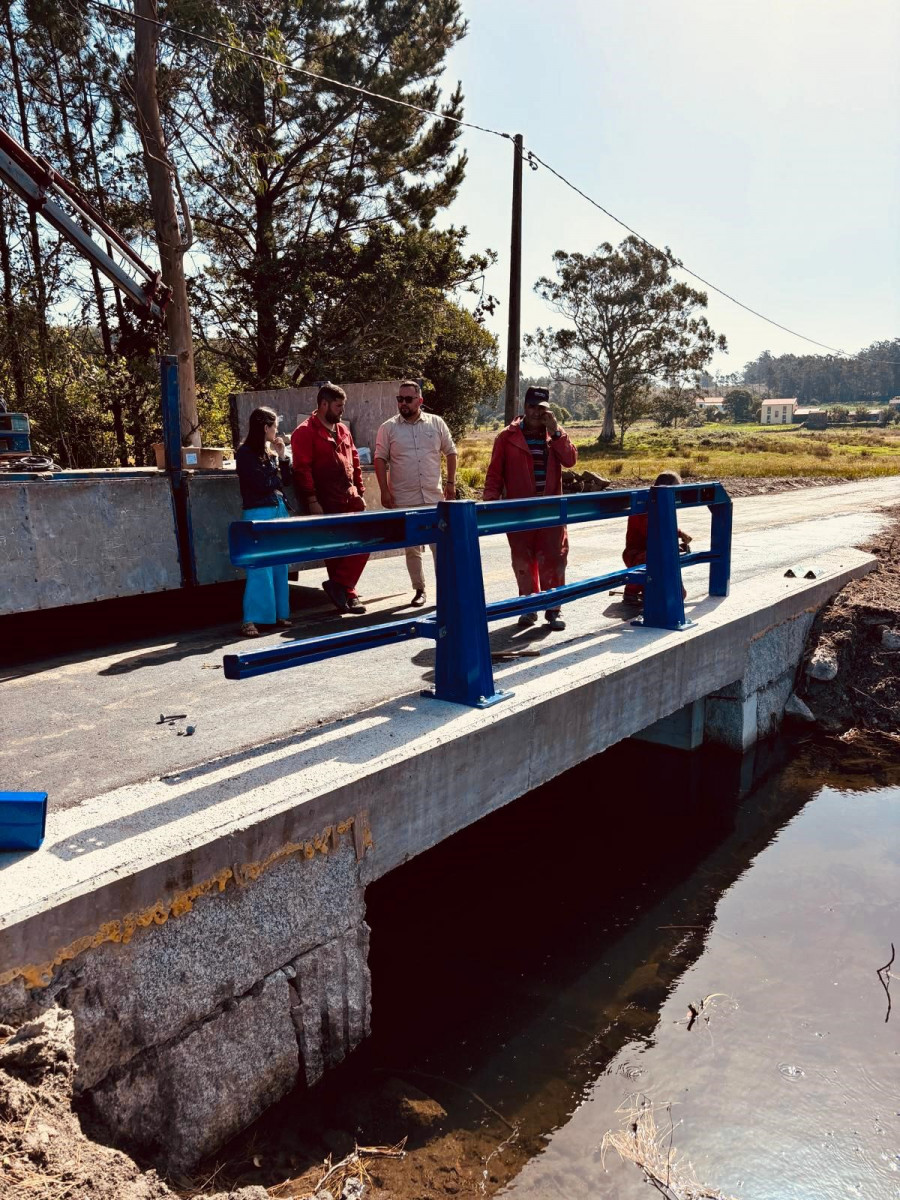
(328, 479)
(527, 460)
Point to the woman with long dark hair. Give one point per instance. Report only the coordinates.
(262, 476)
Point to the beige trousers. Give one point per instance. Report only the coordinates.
(414, 556)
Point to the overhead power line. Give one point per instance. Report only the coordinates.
(532, 155)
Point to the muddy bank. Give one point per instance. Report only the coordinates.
(851, 673)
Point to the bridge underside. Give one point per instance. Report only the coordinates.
(223, 906)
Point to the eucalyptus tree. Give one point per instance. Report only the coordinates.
(628, 323)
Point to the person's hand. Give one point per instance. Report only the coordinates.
(387, 497)
(315, 508)
(278, 444)
(550, 422)
(450, 490)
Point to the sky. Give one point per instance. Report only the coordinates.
(759, 139)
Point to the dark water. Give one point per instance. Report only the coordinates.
(543, 975)
(537, 971)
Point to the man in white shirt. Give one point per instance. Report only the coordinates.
(408, 452)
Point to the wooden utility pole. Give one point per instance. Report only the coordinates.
(514, 328)
(169, 240)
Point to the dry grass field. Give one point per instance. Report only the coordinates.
(716, 452)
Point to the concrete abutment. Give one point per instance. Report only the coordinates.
(750, 708)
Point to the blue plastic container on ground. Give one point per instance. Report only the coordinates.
(23, 820)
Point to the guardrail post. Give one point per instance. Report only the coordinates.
(463, 671)
(663, 601)
(171, 421)
(720, 544)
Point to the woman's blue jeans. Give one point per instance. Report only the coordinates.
(266, 595)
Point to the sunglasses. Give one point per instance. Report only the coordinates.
(407, 399)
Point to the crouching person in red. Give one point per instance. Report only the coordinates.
(527, 460)
(328, 479)
(635, 552)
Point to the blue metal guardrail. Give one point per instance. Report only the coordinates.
(463, 671)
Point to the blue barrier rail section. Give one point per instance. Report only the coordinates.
(459, 626)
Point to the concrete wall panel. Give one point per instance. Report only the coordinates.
(215, 501)
(368, 405)
(73, 541)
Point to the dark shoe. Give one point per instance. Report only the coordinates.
(336, 594)
(633, 601)
(526, 620)
(248, 629)
(554, 620)
(284, 623)
(355, 605)
(418, 599)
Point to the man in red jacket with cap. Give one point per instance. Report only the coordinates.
(527, 460)
(328, 479)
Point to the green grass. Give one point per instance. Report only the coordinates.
(717, 451)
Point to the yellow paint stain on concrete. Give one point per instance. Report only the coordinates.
(123, 930)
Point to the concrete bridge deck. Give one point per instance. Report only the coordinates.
(335, 727)
(84, 724)
(200, 891)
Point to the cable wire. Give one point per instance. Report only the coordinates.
(283, 66)
(533, 157)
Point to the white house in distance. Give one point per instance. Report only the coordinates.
(778, 412)
(713, 402)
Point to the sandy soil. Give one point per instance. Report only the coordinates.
(44, 1153)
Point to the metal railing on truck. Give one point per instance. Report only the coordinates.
(463, 671)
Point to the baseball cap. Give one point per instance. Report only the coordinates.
(538, 397)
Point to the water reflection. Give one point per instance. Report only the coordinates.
(794, 1091)
(643, 883)
(699, 931)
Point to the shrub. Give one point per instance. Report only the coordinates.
(472, 477)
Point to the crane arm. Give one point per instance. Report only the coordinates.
(65, 208)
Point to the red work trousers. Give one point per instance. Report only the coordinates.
(539, 558)
(346, 571)
(633, 591)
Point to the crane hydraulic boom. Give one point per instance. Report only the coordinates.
(65, 208)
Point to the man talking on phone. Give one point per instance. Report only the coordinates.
(527, 460)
